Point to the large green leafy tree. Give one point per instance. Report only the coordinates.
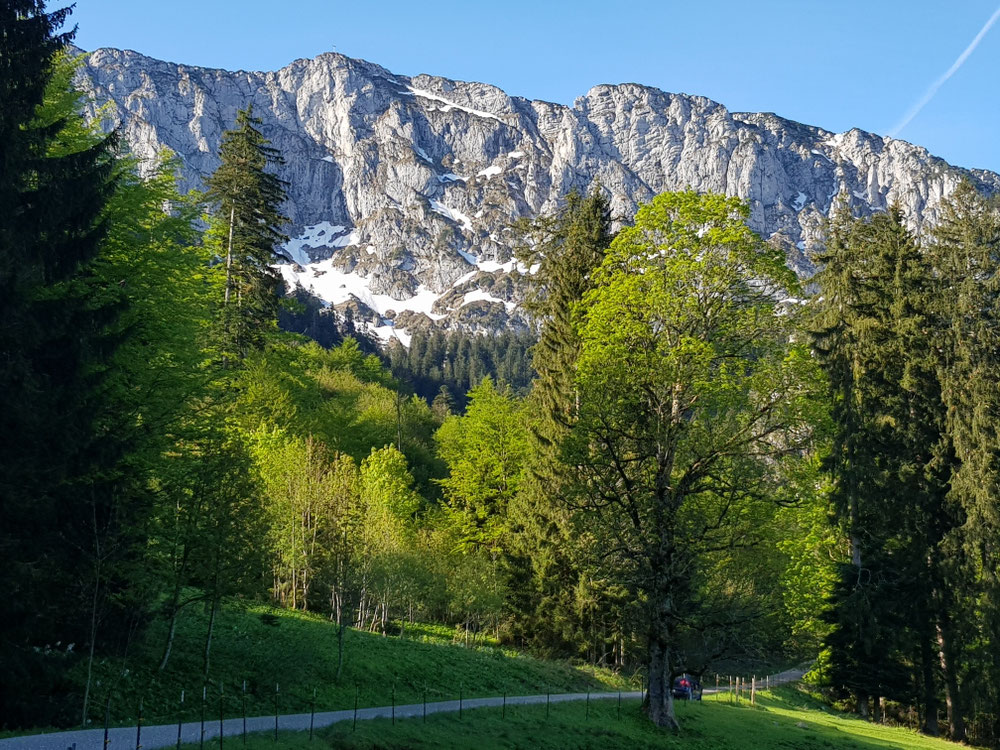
(60, 443)
(486, 451)
(247, 226)
(693, 402)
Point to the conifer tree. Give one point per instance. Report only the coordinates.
(59, 449)
(965, 254)
(247, 224)
(567, 247)
(873, 330)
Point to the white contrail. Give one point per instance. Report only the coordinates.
(915, 110)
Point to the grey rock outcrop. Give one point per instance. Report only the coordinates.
(403, 189)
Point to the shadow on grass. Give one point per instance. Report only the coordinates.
(782, 721)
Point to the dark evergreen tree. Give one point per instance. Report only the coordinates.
(566, 247)
(892, 460)
(965, 254)
(303, 312)
(61, 443)
(450, 360)
(248, 223)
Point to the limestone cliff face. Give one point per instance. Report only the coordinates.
(403, 189)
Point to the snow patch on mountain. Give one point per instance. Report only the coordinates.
(378, 164)
(452, 213)
(323, 234)
(335, 286)
(450, 105)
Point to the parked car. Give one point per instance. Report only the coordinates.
(687, 688)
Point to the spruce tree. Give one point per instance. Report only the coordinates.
(248, 223)
(566, 247)
(965, 254)
(892, 461)
(60, 448)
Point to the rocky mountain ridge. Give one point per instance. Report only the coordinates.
(403, 189)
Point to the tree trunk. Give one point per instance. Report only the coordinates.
(229, 254)
(93, 607)
(660, 695)
(863, 704)
(208, 637)
(956, 719)
(170, 637)
(340, 644)
(93, 638)
(930, 723)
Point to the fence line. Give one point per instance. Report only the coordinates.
(177, 733)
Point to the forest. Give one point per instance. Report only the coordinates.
(695, 458)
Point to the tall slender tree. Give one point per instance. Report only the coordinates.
(876, 334)
(965, 256)
(565, 250)
(247, 224)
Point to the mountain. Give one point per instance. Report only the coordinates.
(402, 190)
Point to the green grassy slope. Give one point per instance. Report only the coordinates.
(299, 652)
(782, 720)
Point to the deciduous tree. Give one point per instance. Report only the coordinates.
(694, 400)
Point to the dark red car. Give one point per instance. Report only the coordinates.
(687, 688)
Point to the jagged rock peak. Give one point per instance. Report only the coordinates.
(403, 188)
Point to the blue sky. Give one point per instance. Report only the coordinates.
(839, 65)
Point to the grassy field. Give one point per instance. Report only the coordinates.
(784, 719)
(298, 652)
(265, 646)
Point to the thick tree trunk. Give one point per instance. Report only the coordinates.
(660, 696)
(863, 704)
(860, 696)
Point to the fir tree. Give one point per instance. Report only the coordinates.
(248, 223)
(892, 460)
(567, 248)
(965, 256)
(60, 448)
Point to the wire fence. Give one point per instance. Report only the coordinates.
(217, 726)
